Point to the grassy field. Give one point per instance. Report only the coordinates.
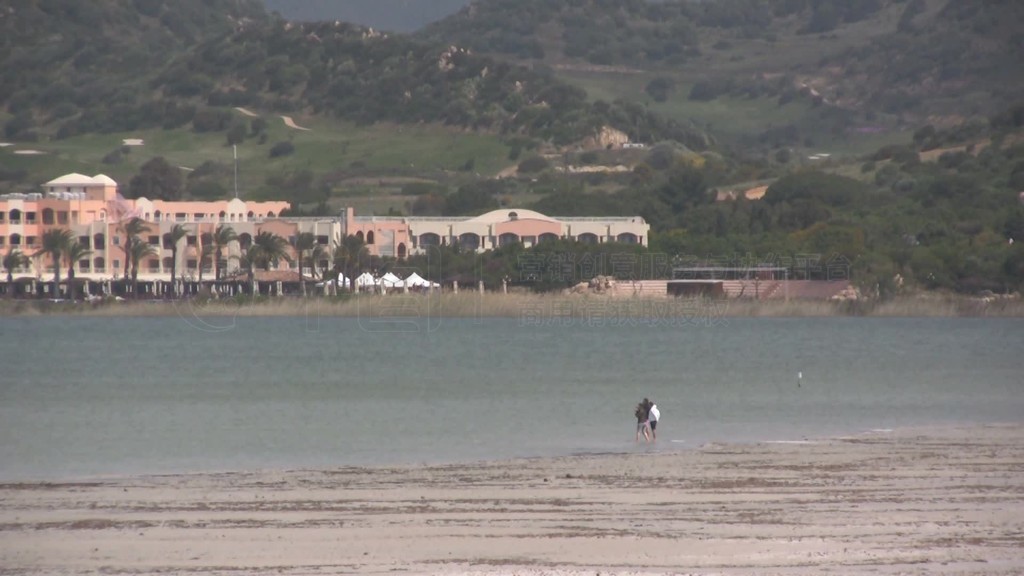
(328, 147)
(733, 119)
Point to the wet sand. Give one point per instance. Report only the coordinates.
(921, 501)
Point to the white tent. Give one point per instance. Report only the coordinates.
(365, 279)
(416, 281)
(389, 280)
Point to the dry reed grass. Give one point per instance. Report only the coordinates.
(529, 308)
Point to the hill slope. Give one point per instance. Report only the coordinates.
(148, 66)
(63, 58)
(864, 64)
(392, 15)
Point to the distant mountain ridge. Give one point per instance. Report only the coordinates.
(916, 57)
(391, 15)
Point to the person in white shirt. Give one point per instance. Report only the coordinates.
(652, 420)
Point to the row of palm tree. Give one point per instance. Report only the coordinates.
(12, 261)
(135, 249)
(267, 249)
(222, 236)
(346, 255)
(62, 247)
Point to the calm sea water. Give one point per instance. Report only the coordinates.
(99, 396)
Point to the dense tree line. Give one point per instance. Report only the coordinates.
(955, 223)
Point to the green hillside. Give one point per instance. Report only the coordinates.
(333, 161)
(769, 73)
(391, 15)
(80, 79)
(63, 59)
(112, 83)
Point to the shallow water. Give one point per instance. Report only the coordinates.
(100, 396)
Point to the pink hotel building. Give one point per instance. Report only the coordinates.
(94, 211)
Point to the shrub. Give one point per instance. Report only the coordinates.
(282, 149)
(67, 130)
(65, 110)
(236, 134)
(211, 120)
(258, 126)
(18, 126)
(533, 164)
(207, 190)
(114, 157)
(660, 88)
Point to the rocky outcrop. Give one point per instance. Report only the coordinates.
(850, 293)
(597, 285)
(606, 138)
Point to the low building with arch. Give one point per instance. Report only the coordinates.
(489, 231)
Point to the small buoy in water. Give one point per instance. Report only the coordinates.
(799, 378)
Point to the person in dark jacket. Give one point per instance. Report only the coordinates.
(642, 412)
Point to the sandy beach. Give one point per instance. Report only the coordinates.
(916, 501)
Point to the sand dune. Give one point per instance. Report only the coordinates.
(935, 501)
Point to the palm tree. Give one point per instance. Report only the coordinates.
(318, 254)
(132, 228)
(140, 249)
(74, 252)
(222, 236)
(271, 249)
(174, 236)
(349, 252)
(12, 261)
(205, 254)
(250, 260)
(55, 241)
(304, 242)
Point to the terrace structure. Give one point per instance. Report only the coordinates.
(764, 282)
